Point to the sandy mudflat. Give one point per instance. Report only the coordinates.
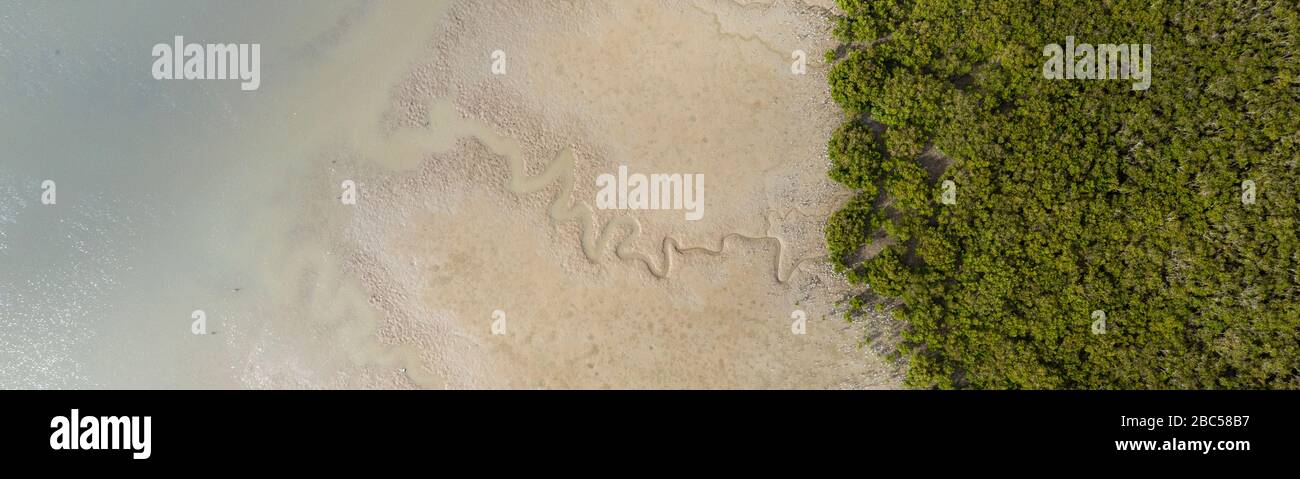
(445, 233)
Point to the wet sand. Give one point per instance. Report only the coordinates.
(477, 197)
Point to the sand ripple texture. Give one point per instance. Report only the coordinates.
(477, 191)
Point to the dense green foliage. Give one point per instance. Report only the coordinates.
(1075, 195)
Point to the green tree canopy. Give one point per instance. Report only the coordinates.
(1075, 196)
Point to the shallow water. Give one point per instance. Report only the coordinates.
(165, 188)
